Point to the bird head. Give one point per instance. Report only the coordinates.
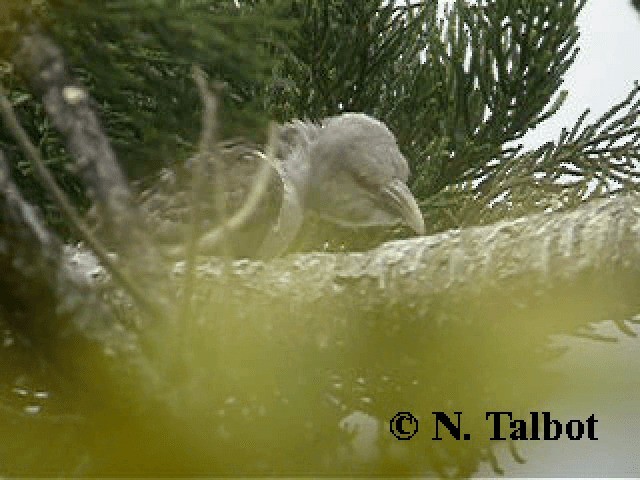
(349, 171)
(357, 176)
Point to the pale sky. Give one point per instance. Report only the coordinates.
(604, 71)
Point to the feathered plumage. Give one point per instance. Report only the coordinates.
(328, 183)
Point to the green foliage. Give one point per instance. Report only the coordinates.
(136, 58)
(502, 65)
(460, 90)
(35, 121)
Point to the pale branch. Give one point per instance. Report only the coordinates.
(532, 264)
(584, 263)
(70, 107)
(24, 235)
(63, 203)
(37, 274)
(23, 218)
(47, 292)
(523, 279)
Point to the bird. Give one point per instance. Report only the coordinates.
(328, 181)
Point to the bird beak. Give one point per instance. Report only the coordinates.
(404, 204)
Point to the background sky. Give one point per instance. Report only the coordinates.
(604, 70)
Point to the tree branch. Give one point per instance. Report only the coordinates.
(69, 106)
(542, 258)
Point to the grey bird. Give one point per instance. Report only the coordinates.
(346, 171)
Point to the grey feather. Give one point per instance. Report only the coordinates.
(346, 174)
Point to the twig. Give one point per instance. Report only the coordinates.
(61, 201)
(258, 189)
(69, 106)
(24, 213)
(257, 192)
(207, 139)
